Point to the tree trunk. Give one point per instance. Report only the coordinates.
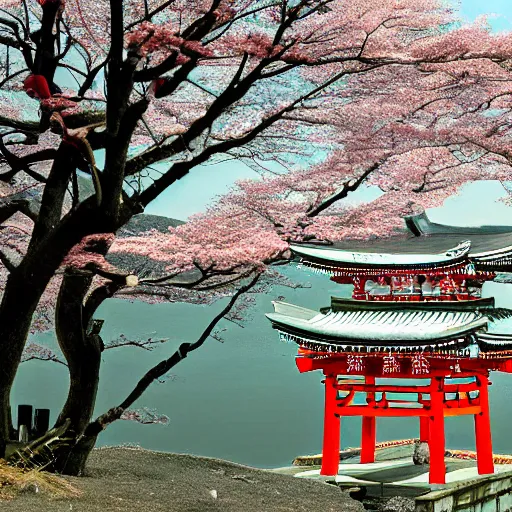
(23, 291)
(83, 354)
(78, 456)
(22, 294)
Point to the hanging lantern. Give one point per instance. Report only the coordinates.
(37, 87)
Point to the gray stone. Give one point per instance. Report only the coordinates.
(30, 488)
(398, 504)
(421, 455)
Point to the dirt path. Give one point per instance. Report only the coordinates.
(122, 479)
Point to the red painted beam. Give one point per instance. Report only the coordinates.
(399, 412)
(305, 364)
(439, 366)
(390, 388)
(462, 411)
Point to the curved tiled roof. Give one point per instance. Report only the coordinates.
(487, 304)
(481, 242)
(425, 243)
(388, 256)
(494, 342)
(375, 328)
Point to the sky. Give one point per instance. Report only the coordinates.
(501, 9)
(477, 204)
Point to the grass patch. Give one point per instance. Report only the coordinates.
(15, 481)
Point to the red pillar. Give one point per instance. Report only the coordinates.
(436, 440)
(368, 431)
(483, 431)
(331, 443)
(424, 424)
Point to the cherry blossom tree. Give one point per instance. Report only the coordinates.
(179, 83)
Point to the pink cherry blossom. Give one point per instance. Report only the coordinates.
(418, 112)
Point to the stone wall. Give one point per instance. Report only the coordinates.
(489, 494)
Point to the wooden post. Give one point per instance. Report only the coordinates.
(331, 442)
(424, 421)
(41, 422)
(25, 417)
(368, 430)
(436, 439)
(484, 455)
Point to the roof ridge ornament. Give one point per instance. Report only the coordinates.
(418, 224)
(460, 250)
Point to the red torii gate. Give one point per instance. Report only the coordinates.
(431, 411)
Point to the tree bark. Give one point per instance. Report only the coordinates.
(22, 294)
(24, 289)
(82, 352)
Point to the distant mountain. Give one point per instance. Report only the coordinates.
(144, 222)
(137, 225)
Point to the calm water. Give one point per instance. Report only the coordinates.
(241, 400)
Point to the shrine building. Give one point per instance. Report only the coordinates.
(416, 312)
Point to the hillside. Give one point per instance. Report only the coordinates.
(124, 479)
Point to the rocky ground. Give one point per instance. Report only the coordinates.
(123, 479)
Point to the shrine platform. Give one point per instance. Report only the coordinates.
(394, 473)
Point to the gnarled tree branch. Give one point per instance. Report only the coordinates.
(113, 414)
